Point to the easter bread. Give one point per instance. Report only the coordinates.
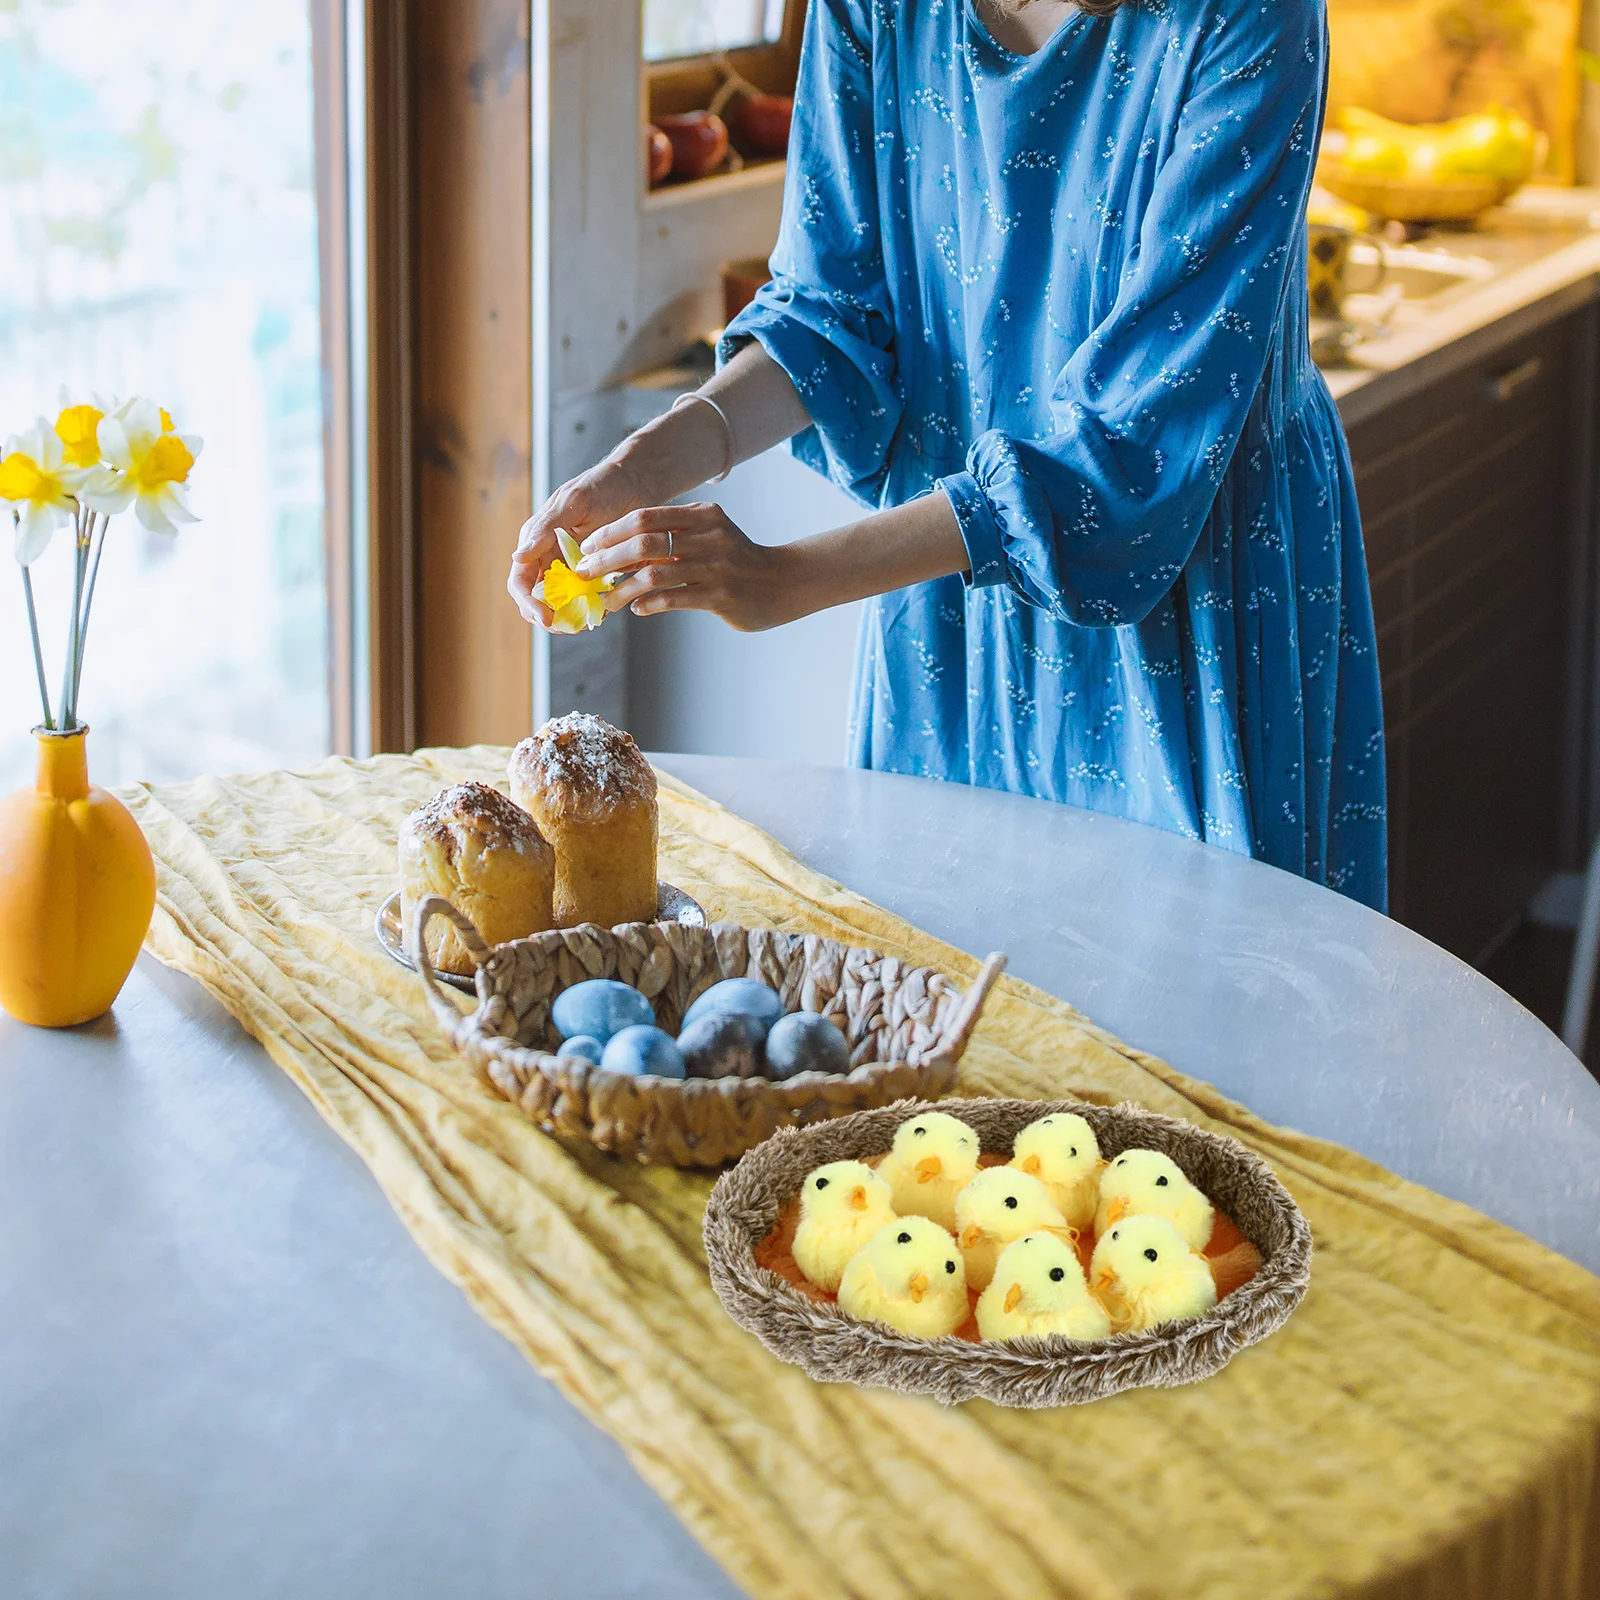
(485, 856)
(592, 793)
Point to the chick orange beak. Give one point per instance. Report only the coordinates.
(918, 1286)
(1031, 1166)
(928, 1168)
(1116, 1211)
(970, 1235)
(858, 1197)
(1013, 1297)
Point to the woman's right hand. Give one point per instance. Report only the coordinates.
(593, 499)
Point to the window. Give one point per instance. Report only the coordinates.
(158, 236)
(678, 28)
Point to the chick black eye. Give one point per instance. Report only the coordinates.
(822, 1183)
(1115, 1234)
(949, 1266)
(1149, 1255)
(905, 1238)
(1057, 1274)
(917, 1133)
(1122, 1163)
(1011, 1202)
(1161, 1182)
(1073, 1151)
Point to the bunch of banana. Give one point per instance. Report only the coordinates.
(1495, 144)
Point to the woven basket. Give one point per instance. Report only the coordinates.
(907, 1028)
(834, 1348)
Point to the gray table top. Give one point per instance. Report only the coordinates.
(226, 1370)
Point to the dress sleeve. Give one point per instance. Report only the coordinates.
(825, 317)
(1094, 522)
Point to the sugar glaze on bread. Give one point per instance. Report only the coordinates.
(487, 857)
(593, 795)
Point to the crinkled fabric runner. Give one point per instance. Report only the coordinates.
(1426, 1425)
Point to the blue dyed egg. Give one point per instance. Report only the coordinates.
(600, 1008)
(644, 1052)
(748, 996)
(805, 1042)
(584, 1045)
(724, 1044)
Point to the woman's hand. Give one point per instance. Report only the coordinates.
(695, 558)
(592, 500)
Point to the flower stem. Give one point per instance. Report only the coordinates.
(68, 710)
(38, 652)
(88, 603)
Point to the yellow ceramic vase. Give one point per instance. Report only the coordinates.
(77, 887)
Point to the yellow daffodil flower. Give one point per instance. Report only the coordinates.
(76, 428)
(37, 483)
(577, 603)
(147, 466)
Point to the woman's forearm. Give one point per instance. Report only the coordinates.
(689, 445)
(893, 549)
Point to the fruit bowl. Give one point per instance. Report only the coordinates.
(1415, 199)
(907, 1028)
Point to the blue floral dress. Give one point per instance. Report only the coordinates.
(1069, 291)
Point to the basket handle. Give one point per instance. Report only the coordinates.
(450, 1018)
(966, 1020)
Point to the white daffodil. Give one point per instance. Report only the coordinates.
(576, 604)
(146, 464)
(38, 485)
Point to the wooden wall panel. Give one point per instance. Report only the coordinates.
(473, 424)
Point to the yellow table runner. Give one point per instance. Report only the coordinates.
(1426, 1425)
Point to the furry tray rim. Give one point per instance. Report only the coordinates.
(833, 1347)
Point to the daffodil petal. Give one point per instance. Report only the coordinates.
(571, 552)
(114, 443)
(32, 537)
(141, 420)
(147, 508)
(175, 503)
(193, 443)
(106, 491)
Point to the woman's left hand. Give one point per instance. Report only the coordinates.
(694, 558)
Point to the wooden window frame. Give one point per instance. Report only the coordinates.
(424, 183)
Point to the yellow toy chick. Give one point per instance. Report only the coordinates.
(909, 1275)
(841, 1206)
(1144, 1272)
(1038, 1290)
(1145, 1183)
(999, 1205)
(1062, 1152)
(932, 1159)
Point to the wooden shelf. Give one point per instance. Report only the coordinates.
(757, 175)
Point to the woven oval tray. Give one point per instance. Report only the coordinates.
(835, 1348)
(907, 1028)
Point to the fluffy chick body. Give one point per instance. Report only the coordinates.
(1145, 1272)
(842, 1205)
(908, 1275)
(1062, 1152)
(1038, 1290)
(932, 1160)
(1146, 1183)
(1000, 1205)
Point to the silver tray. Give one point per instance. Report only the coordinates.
(672, 905)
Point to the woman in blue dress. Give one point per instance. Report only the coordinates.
(1040, 301)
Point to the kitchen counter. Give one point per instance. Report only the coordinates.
(1532, 261)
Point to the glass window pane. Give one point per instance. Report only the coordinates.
(158, 237)
(696, 27)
